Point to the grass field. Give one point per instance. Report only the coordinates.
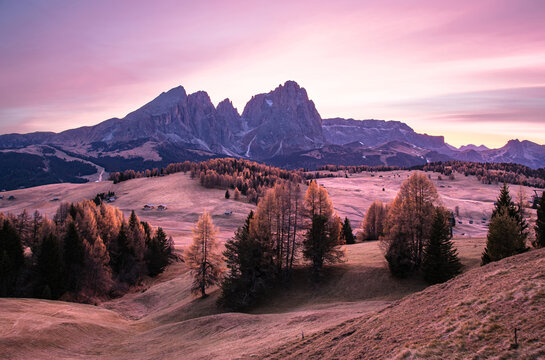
(165, 321)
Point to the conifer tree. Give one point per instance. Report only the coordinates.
(98, 274)
(409, 220)
(440, 259)
(505, 201)
(347, 234)
(203, 257)
(158, 253)
(249, 268)
(322, 240)
(74, 257)
(49, 268)
(540, 223)
(505, 207)
(236, 194)
(503, 239)
(11, 259)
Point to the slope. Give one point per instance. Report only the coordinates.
(472, 316)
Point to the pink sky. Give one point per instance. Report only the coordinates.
(473, 71)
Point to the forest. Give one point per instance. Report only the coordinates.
(86, 252)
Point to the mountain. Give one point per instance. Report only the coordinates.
(473, 147)
(281, 122)
(281, 127)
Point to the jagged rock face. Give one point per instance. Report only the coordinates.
(281, 122)
(375, 132)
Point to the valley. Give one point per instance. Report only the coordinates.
(163, 320)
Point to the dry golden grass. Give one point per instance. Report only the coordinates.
(351, 314)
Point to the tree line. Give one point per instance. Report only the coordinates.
(491, 173)
(85, 252)
(285, 226)
(415, 231)
(249, 177)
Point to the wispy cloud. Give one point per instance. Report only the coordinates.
(430, 63)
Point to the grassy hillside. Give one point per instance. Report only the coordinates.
(472, 316)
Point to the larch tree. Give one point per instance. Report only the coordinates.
(322, 241)
(203, 257)
(236, 194)
(409, 221)
(440, 260)
(540, 223)
(373, 221)
(278, 221)
(98, 274)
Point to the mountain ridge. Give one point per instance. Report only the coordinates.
(281, 127)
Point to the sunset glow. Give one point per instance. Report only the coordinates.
(473, 71)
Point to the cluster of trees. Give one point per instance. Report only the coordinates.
(415, 233)
(358, 168)
(263, 251)
(249, 177)
(507, 231)
(491, 173)
(85, 252)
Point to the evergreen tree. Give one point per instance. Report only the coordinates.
(122, 258)
(158, 253)
(74, 257)
(503, 237)
(505, 201)
(346, 233)
(506, 207)
(440, 259)
(11, 259)
(321, 243)
(540, 223)
(203, 257)
(249, 269)
(227, 195)
(49, 268)
(322, 240)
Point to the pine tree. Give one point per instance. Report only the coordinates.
(74, 257)
(49, 267)
(540, 223)
(505, 201)
(440, 259)
(503, 239)
(249, 269)
(347, 234)
(203, 257)
(227, 195)
(158, 253)
(11, 259)
(506, 207)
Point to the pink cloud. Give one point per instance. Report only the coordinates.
(68, 64)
